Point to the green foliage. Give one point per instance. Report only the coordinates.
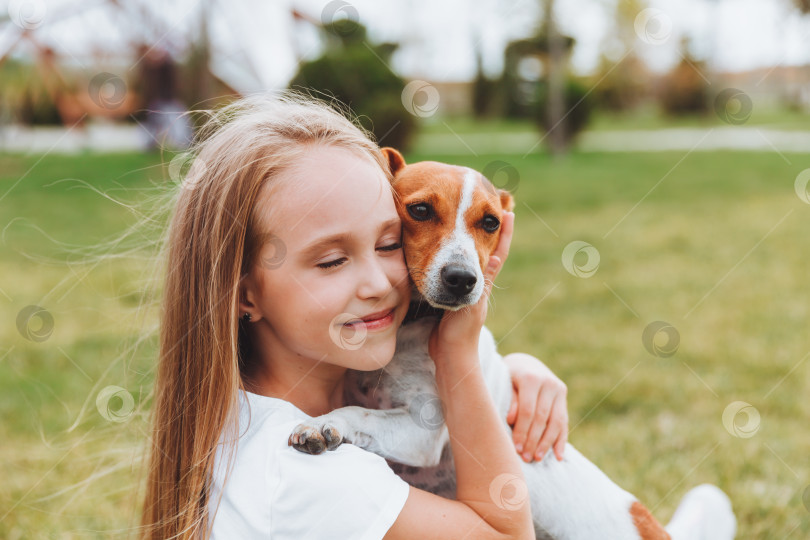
(578, 108)
(23, 97)
(622, 86)
(519, 92)
(685, 91)
(37, 108)
(486, 95)
(357, 74)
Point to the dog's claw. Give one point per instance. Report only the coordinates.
(311, 440)
(332, 437)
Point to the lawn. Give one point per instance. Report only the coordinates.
(714, 244)
(647, 117)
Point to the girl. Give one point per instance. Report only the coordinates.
(286, 225)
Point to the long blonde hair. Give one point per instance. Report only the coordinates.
(211, 243)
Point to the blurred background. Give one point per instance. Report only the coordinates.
(657, 152)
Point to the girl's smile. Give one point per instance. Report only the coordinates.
(376, 321)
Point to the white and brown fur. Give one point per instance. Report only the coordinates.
(396, 413)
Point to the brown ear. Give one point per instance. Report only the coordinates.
(395, 159)
(507, 201)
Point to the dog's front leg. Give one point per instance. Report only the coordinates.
(403, 435)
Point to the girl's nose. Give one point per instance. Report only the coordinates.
(373, 280)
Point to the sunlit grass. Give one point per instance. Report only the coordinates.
(645, 117)
(718, 249)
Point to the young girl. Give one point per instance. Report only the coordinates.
(284, 238)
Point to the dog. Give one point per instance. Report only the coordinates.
(451, 218)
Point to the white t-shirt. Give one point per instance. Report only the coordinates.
(275, 491)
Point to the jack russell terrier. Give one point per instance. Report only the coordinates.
(451, 216)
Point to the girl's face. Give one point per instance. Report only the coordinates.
(333, 257)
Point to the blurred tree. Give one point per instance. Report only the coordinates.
(23, 95)
(623, 84)
(35, 107)
(555, 103)
(685, 90)
(358, 75)
(577, 105)
(535, 83)
(525, 65)
(201, 88)
(485, 90)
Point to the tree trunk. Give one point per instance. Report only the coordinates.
(557, 140)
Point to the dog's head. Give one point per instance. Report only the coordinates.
(451, 218)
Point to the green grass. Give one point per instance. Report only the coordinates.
(718, 249)
(643, 118)
(651, 118)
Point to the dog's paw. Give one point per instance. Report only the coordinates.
(314, 438)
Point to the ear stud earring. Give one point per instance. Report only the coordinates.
(246, 317)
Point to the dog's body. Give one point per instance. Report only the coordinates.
(395, 412)
(404, 425)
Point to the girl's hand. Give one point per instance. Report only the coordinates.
(457, 333)
(538, 413)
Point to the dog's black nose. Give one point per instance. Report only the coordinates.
(458, 280)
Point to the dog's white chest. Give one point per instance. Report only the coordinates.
(409, 381)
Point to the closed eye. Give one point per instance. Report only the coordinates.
(390, 247)
(331, 264)
(338, 262)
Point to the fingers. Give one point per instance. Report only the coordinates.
(537, 444)
(512, 414)
(559, 413)
(505, 240)
(502, 250)
(557, 425)
(559, 445)
(527, 404)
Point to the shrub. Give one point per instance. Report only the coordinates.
(358, 75)
(684, 90)
(577, 113)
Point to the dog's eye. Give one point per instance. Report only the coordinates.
(490, 223)
(420, 211)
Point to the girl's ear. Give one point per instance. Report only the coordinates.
(245, 293)
(395, 159)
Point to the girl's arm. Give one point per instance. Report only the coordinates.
(492, 497)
